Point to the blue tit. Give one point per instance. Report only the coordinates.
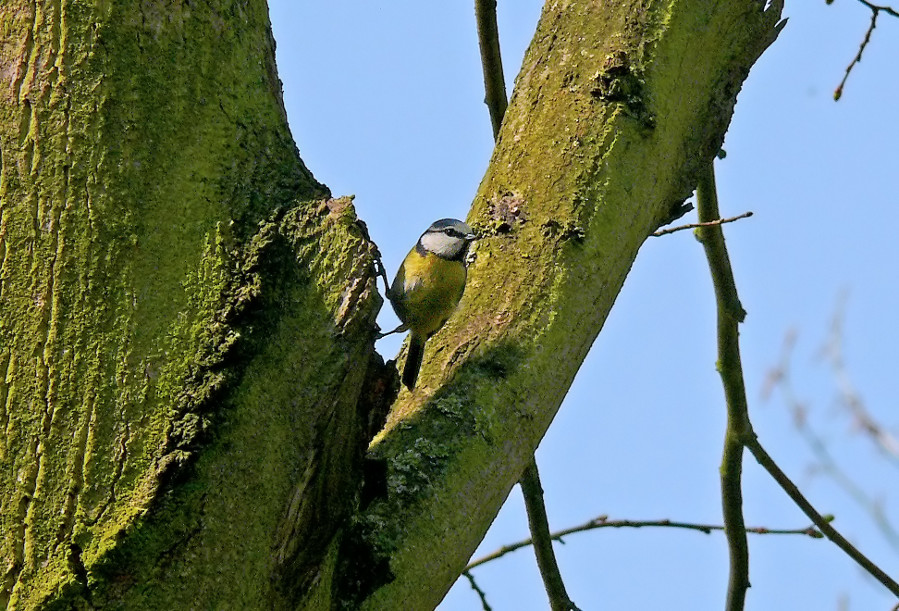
(428, 287)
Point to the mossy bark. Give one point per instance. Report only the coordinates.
(186, 319)
(616, 108)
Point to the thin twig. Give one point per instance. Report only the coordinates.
(662, 232)
(875, 11)
(882, 439)
(822, 522)
(739, 428)
(605, 522)
(838, 92)
(480, 592)
(877, 7)
(781, 377)
(730, 315)
(543, 543)
(492, 62)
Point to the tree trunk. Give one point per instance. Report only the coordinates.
(185, 318)
(187, 371)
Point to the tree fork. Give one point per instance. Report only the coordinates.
(186, 317)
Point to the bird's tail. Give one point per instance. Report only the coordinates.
(413, 360)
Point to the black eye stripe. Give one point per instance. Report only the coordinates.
(450, 231)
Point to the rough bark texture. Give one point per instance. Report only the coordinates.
(616, 107)
(185, 318)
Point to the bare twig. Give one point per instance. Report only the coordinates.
(474, 586)
(882, 439)
(781, 377)
(875, 11)
(662, 232)
(838, 92)
(542, 540)
(739, 428)
(605, 522)
(822, 522)
(878, 7)
(492, 62)
(730, 315)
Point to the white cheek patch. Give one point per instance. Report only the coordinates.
(432, 241)
(443, 245)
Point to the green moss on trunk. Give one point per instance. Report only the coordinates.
(186, 319)
(182, 317)
(615, 108)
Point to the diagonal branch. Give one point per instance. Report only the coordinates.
(496, 377)
(739, 428)
(879, 7)
(485, 606)
(495, 98)
(822, 522)
(781, 377)
(875, 11)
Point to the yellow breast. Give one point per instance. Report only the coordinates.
(426, 290)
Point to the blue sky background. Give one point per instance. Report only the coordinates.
(385, 102)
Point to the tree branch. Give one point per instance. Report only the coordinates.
(605, 522)
(730, 315)
(485, 606)
(542, 540)
(822, 522)
(495, 98)
(739, 428)
(876, 7)
(875, 11)
(500, 368)
(491, 61)
(661, 232)
(826, 463)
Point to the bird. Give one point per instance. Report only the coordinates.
(428, 286)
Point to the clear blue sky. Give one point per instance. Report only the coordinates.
(385, 102)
